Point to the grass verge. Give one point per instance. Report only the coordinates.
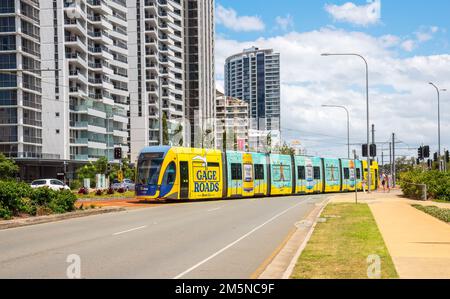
(116, 195)
(441, 214)
(339, 247)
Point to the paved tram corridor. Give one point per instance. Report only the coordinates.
(220, 239)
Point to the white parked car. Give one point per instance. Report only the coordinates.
(53, 184)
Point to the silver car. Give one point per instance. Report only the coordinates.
(127, 185)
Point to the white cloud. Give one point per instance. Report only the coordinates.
(401, 100)
(362, 15)
(285, 23)
(408, 45)
(423, 35)
(229, 18)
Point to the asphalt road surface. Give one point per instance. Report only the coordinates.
(220, 239)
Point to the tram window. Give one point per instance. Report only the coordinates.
(346, 174)
(316, 172)
(170, 175)
(358, 173)
(236, 172)
(259, 172)
(301, 173)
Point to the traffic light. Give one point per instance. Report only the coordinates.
(373, 150)
(364, 150)
(426, 152)
(118, 153)
(420, 153)
(435, 157)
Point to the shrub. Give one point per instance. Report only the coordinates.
(438, 184)
(121, 190)
(43, 196)
(11, 197)
(28, 207)
(111, 191)
(442, 214)
(75, 184)
(99, 192)
(83, 191)
(4, 212)
(63, 202)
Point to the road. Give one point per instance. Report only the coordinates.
(220, 239)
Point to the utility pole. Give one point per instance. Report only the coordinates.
(394, 170)
(373, 134)
(390, 157)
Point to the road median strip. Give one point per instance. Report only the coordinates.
(20, 222)
(281, 263)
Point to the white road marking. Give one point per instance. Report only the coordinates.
(216, 209)
(235, 242)
(130, 230)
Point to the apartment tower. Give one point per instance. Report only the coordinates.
(20, 80)
(85, 43)
(254, 76)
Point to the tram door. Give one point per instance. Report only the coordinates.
(184, 180)
(236, 180)
(259, 179)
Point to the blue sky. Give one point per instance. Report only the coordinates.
(406, 43)
(402, 18)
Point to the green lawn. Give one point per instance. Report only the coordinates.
(441, 214)
(339, 248)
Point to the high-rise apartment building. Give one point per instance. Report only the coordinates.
(200, 68)
(86, 96)
(254, 76)
(157, 72)
(172, 69)
(79, 78)
(232, 123)
(21, 109)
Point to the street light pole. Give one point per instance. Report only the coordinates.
(348, 124)
(369, 178)
(439, 122)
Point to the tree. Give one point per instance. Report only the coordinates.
(179, 130)
(235, 141)
(165, 129)
(287, 150)
(269, 143)
(128, 171)
(8, 168)
(224, 137)
(86, 172)
(101, 165)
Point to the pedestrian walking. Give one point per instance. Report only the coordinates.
(389, 183)
(383, 182)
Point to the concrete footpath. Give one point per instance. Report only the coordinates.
(419, 244)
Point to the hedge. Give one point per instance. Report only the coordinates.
(438, 184)
(19, 198)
